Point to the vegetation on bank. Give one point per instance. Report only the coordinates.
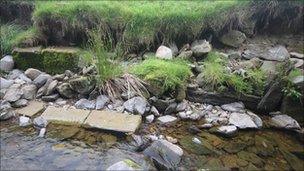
(217, 77)
(163, 75)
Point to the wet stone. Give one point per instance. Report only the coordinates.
(166, 119)
(31, 109)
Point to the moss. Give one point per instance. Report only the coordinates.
(57, 60)
(28, 58)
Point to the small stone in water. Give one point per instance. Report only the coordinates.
(40, 122)
(196, 140)
(171, 139)
(24, 121)
(206, 125)
(42, 132)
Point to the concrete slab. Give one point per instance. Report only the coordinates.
(31, 109)
(65, 116)
(113, 121)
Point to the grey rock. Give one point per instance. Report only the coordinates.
(233, 38)
(20, 103)
(165, 154)
(4, 83)
(171, 109)
(154, 111)
(85, 104)
(24, 121)
(6, 111)
(181, 106)
(284, 121)
(256, 119)
(160, 104)
(242, 120)
(277, 53)
(65, 90)
(200, 48)
(88, 70)
(297, 55)
(234, 55)
(102, 101)
(234, 107)
(166, 119)
(29, 91)
(25, 78)
(14, 74)
(41, 92)
(50, 98)
(14, 93)
(42, 132)
(123, 165)
(82, 85)
(227, 130)
(194, 129)
(68, 73)
(59, 77)
(51, 87)
(206, 126)
(32, 73)
(41, 80)
(164, 52)
(298, 63)
(298, 80)
(185, 54)
(150, 118)
(136, 105)
(6, 63)
(272, 99)
(269, 67)
(40, 122)
(2, 93)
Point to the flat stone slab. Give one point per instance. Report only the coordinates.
(65, 116)
(113, 121)
(31, 109)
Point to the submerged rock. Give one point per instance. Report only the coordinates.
(136, 105)
(233, 38)
(7, 63)
(166, 119)
(123, 165)
(165, 154)
(284, 121)
(200, 48)
(227, 130)
(164, 52)
(40, 122)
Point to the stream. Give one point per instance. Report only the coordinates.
(70, 148)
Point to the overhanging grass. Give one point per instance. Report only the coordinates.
(136, 22)
(167, 75)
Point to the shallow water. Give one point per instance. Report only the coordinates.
(69, 148)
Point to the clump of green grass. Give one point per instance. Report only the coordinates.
(165, 75)
(13, 35)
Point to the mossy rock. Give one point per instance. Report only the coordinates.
(57, 60)
(28, 58)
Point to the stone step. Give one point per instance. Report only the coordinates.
(33, 108)
(105, 120)
(113, 121)
(65, 116)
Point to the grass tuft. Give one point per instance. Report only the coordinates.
(167, 75)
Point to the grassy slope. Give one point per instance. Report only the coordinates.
(140, 20)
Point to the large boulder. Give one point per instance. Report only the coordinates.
(136, 105)
(32, 73)
(14, 74)
(269, 67)
(233, 38)
(165, 154)
(272, 99)
(83, 85)
(284, 122)
(4, 83)
(200, 48)
(6, 63)
(14, 93)
(164, 52)
(65, 90)
(29, 91)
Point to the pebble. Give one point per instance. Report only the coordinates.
(42, 132)
(149, 118)
(196, 140)
(24, 121)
